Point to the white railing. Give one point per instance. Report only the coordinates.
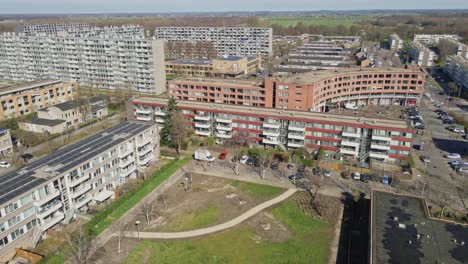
(47, 198)
(81, 191)
(271, 125)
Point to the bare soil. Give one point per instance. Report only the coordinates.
(330, 204)
(266, 227)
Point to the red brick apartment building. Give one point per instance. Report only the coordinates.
(312, 91)
(348, 136)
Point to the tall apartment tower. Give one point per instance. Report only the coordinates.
(395, 42)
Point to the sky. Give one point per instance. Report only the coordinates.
(159, 6)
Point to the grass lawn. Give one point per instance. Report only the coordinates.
(325, 21)
(310, 244)
(257, 190)
(194, 220)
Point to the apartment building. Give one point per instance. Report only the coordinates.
(421, 55)
(49, 191)
(227, 66)
(233, 41)
(6, 145)
(395, 42)
(461, 49)
(25, 98)
(353, 137)
(457, 68)
(107, 63)
(433, 39)
(312, 91)
(83, 30)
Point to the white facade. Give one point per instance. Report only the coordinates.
(234, 41)
(432, 39)
(50, 191)
(82, 30)
(457, 68)
(421, 55)
(107, 63)
(395, 42)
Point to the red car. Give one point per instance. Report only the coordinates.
(222, 155)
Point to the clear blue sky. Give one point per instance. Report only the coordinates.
(128, 6)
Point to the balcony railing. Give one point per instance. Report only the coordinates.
(271, 125)
(296, 128)
(223, 120)
(349, 152)
(52, 221)
(47, 198)
(79, 180)
(295, 144)
(143, 111)
(143, 118)
(202, 117)
(296, 136)
(80, 191)
(355, 134)
(223, 128)
(381, 138)
(223, 135)
(271, 141)
(202, 125)
(350, 143)
(45, 211)
(203, 133)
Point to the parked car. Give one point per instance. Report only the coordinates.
(465, 136)
(250, 161)
(451, 128)
(386, 180)
(447, 121)
(463, 169)
(327, 173)
(4, 164)
(203, 154)
(26, 157)
(316, 171)
(365, 177)
(291, 166)
(301, 168)
(426, 159)
(296, 176)
(222, 155)
(456, 162)
(357, 176)
(459, 130)
(244, 159)
(453, 156)
(274, 166)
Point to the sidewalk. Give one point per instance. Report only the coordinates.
(216, 228)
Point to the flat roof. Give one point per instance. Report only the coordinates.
(285, 114)
(315, 76)
(399, 219)
(25, 86)
(191, 62)
(16, 183)
(219, 81)
(44, 122)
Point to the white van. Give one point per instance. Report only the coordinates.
(357, 176)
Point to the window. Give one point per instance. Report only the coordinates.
(28, 212)
(26, 199)
(2, 227)
(11, 207)
(14, 220)
(17, 233)
(3, 242)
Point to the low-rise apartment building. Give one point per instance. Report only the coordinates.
(312, 91)
(25, 98)
(433, 39)
(234, 41)
(228, 66)
(395, 42)
(354, 137)
(107, 63)
(421, 55)
(457, 68)
(6, 144)
(49, 191)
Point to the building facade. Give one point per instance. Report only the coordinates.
(228, 41)
(395, 42)
(107, 63)
(82, 30)
(25, 98)
(457, 68)
(6, 144)
(421, 55)
(49, 191)
(433, 39)
(313, 91)
(353, 137)
(228, 66)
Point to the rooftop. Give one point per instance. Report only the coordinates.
(225, 82)
(315, 76)
(65, 106)
(284, 114)
(398, 219)
(25, 86)
(19, 182)
(191, 62)
(44, 122)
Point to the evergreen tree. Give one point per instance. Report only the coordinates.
(165, 132)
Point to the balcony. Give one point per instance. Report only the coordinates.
(296, 128)
(223, 128)
(125, 162)
(270, 141)
(223, 120)
(159, 112)
(83, 202)
(378, 155)
(296, 136)
(349, 143)
(159, 120)
(145, 160)
(125, 172)
(202, 125)
(202, 117)
(223, 135)
(125, 152)
(78, 180)
(270, 133)
(144, 151)
(143, 118)
(52, 221)
(381, 138)
(380, 146)
(47, 211)
(47, 198)
(203, 133)
(272, 125)
(143, 111)
(351, 135)
(349, 152)
(81, 191)
(295, 144)
(144, 141)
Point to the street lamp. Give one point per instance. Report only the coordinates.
(137, 223)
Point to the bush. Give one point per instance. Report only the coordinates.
(308, 163)
(210, 141)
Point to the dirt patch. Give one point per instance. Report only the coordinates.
(330, 206)
(109, 253)
(266, 227)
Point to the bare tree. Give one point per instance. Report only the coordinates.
(237, 155)
(80, 244)
(180, 132)
(121, 229)
(442, 201)
(147, 209)
(163, 199)
(264, 160)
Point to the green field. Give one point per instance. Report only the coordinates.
(257, 190)
(310, 244)
(192, 220)
(325, 21)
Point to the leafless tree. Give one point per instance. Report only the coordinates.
(442, 202)
(163, 199)
(180, 132)
(237, 155)
(80, 245)
(120, 228)
(264, 160)
(147, 209)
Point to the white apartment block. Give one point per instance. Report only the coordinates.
(462, 49)
(432, 39)
(107, 63)
(83, 30)
(421, 55)
(51, 190)
(228, 41)
(395, 42)
(457, 68)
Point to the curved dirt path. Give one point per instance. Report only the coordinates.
(216, 228)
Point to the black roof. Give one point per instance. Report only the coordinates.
(19, 182)
(45, 122)
(399, 219)
(65, 106)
